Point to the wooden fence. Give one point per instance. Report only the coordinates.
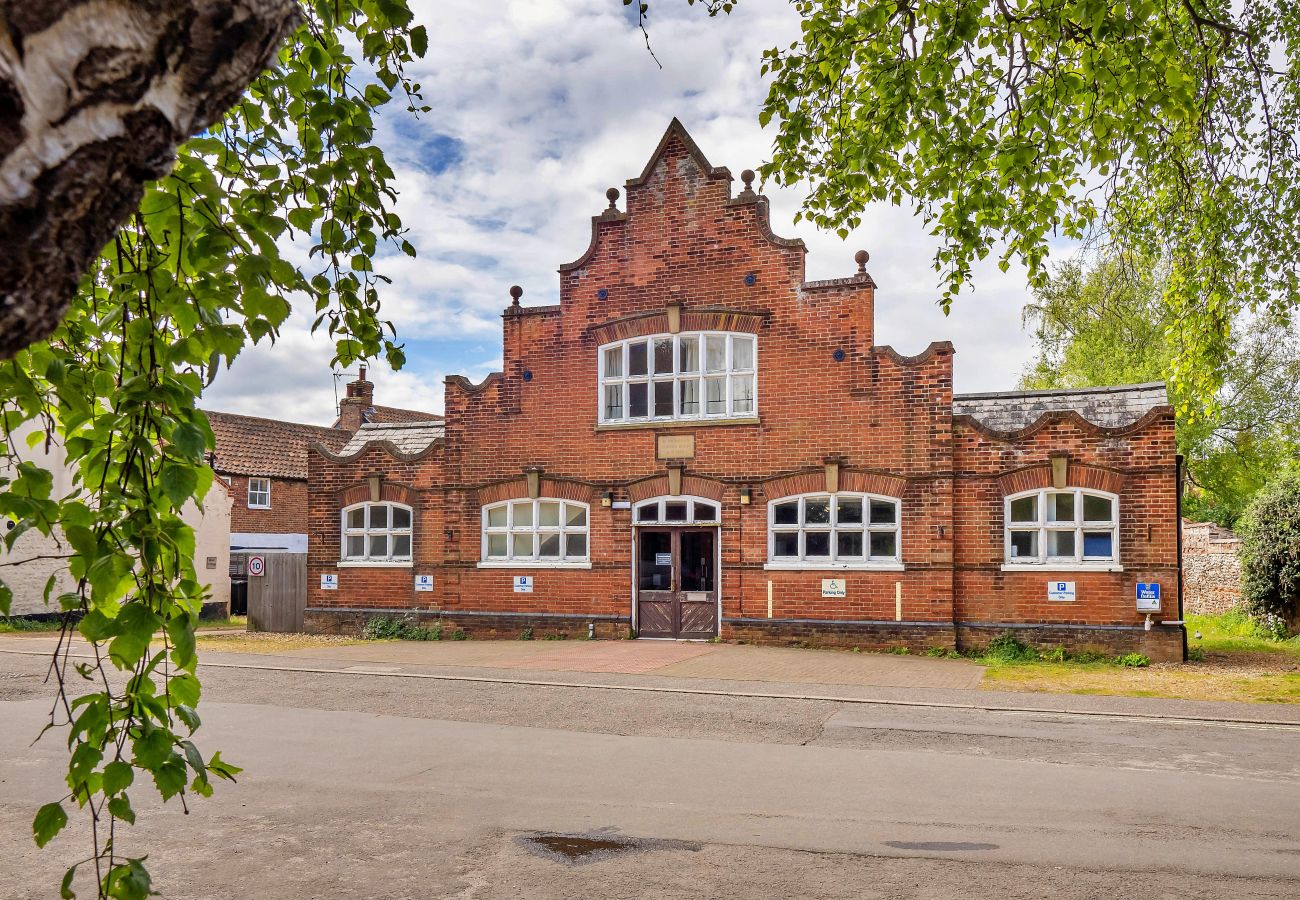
(277, 597)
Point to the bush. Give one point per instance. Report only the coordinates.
(390, 628)
(1133, 661)
(1056, 655)
(1270, 554)
(1006, 647)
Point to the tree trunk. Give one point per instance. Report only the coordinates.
(95, 95)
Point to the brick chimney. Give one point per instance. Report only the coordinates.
(353, 407)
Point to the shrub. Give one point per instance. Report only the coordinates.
(1006, 647)
(389, 628)
(899, 651)
(1270, 553)
(1196, 654)
(1133, 661)
(527, 634)
(1089, 656)
(1056, 655)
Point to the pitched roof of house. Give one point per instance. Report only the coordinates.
(390, 414)
(407, 437)
(249, 445)
(1109, 407)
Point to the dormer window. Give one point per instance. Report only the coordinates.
(667, 377)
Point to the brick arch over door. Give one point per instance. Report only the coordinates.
(517, 489)
(1078, 476)
(389, 492)
(814, 482)
(691, 484)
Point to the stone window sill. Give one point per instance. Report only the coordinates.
(674, 423)
(533, 564)
(796, 566)
(1062, 567)
(374, 564)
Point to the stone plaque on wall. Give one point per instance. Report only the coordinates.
(676, 446)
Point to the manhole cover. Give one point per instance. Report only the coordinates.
(945, 846)
(583, 849)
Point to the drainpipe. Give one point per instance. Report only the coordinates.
(1178, 468)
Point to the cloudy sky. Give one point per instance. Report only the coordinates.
(538, 107)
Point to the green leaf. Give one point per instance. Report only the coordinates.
(120, 807)
(419, 41)
(118, 776)
(49, 821)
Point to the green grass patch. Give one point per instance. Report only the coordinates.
(20, 624)
(1235, 632)
(399, 628)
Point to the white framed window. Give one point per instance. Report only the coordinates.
(377, 533)
(259, 493)
(692, 375)
(677, 511)
(834, 531)
(538, 533)
(1070, 528)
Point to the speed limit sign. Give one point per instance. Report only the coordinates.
(256, 565)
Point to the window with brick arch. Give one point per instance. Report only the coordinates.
(1070, 527)
(834, 531)
(538, 532)
(377, 533)
(691, 375)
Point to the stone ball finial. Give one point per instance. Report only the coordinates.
(861, 258)
(516, 292)
(612, 194)
(747, 176)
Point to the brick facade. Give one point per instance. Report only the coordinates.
(835, 410)
(287, 514)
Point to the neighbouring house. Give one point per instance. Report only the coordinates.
(1211, 569)
(696, 442)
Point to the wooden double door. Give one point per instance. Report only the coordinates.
(677, 582)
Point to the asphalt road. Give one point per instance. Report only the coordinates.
(365, 786)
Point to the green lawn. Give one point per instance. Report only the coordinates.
(19, 624)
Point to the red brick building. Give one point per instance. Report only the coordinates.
(697, 442)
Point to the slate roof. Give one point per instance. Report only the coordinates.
(1109, 407)
(407, 437)
(249, 445)
(390, 414)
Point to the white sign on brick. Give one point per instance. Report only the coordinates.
(523, 584)
(1061, 591)
(329, 581)
(424, 583)
(834, 587)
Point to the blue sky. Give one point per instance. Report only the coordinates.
(538, 107)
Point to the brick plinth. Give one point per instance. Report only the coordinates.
(481, 625)
(915, 636)
(1163, 643)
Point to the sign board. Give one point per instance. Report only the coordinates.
(834, 587)
(676, 446)
(621, 504)
(257, 566)
(424, 582)
(523, 584)
(329, 581)
(663, 559)
(1148, 597)
(1061, 591)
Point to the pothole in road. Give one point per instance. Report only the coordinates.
(583, 849)
(942, 846)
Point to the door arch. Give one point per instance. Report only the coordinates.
(676, 567)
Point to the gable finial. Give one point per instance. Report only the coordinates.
(612, 211)
(861, 258)
(747, 176)
(516, 292)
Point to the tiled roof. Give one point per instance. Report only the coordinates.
(389, 414)
(248, 445)
(1109, 407)
(407, 437)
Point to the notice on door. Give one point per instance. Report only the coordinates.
(834, 587)
(663, 559)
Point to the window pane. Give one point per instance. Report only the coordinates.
(715, 393)
(648, 513)
(715, 353)
(742, 353)
(675, 512)
(848, 510)
(614, 362)
(706, 512)
(883, 512)
(523, 514)
(663, 356)
(378, 546)
(356, 545)
(575, 516)
(786, 513)
(690, 397)
(1098, 544)
(1060, 543)
(848, 544)
(817, 543)
(548, 514)
(497, 517)
(550, 546)
(1096, 509)
(636, 358)
(521, 544)
(401, 517)
(497, 544)
(1024, 545)
(817, 512)
(689, 354)
(378, 516)
(357, 517)
(575, 546)
(637, 403)
(613, 401)
(1025, 509)
(663, 398)
(742, 393)
(401, 545)
(1060, 507)
(785, 543)
(884, 544)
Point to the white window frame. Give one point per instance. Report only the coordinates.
(691, 517)
(729, 373)
(833, 528)
(533, 561)
(251, 504)
(366, 532)
(1079, 562)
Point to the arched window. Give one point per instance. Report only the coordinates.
(677, 511)
(377, 532)
(1062, 527)
(692, 375)
(538, 532)
(834, 531)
